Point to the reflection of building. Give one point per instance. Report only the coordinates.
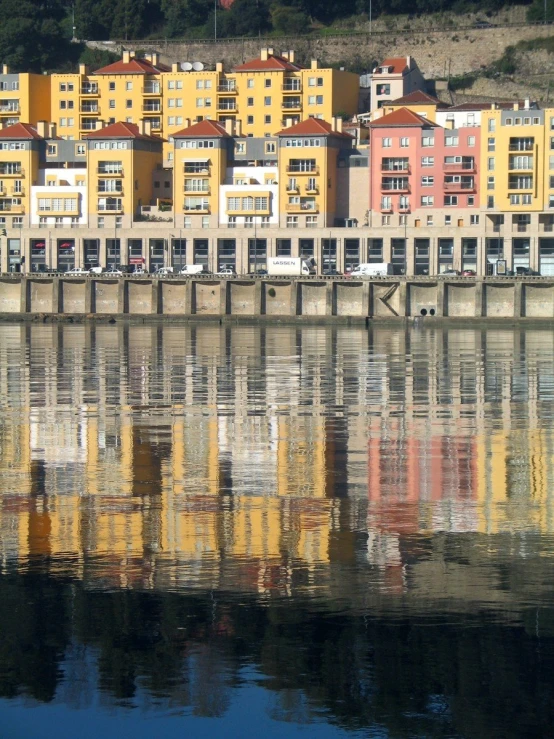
(184, 455)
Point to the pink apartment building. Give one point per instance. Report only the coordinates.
(424, 175)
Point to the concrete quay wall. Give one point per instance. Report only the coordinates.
(384, 298)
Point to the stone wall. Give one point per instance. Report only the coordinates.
(438, 53)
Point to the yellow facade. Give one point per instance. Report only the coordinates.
(24, 97)
(515, 151)
(19, 166)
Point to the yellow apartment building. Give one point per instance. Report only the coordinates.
(418, 102)
(19, 166)
(120, 160)
(24, 97)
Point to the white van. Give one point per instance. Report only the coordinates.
(377, 269)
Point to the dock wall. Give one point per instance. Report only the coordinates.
(285, 297)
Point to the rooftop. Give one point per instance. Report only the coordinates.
(403, 118)
(20, 131)
(121, 130)
(312, 127)
(133, 66)
(202, 128)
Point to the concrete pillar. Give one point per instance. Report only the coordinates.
(440, 298)
(509, 252)
(188, 297)
(534, 257)
(330, 302)
(295, 298)
(88, 295)
(366, 297)
(258, 298)
(479, 298)
(122, 296)
(156, 294)
(57, 296)
(225, 298)
(518, 299)
(402, 298)
(24, 298)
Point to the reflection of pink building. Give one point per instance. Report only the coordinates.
(421, 168)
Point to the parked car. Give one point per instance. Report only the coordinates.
(332, 273)
(163, 271)
(449, 272)
(77, 272)
(113, 272)
(524, 271)
(226, 272)
(469, 273)
(261, 272)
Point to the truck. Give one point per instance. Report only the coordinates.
(290, 266)
(194, 269)
(377, 269)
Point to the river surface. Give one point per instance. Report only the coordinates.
(277, 532)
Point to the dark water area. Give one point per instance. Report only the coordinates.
(278, 531)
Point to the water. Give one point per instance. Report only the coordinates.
(315, 532)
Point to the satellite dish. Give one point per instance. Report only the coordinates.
(186, 66)
(197, 66)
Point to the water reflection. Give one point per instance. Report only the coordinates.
(361, 519)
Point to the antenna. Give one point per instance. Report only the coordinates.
(197, 66)
(186, 66)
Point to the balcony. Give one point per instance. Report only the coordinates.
(291, 105)
(109, 172)
(108, 193)
(293, 189)
(193, 170)
(292, 86)
(302, 169)
(10, 109)
(110, 208)
(205, 208)
(459, 186)
(395, 187)
(89, 90)
(17, 193)
(302, 207)
(459, 167)
(20, 172)
(227, 88)
(152, 89)
(521, 147)
(12, 208)
(522, 227)
(227, 106)
(312, 189)
(390, 169)
(152, 107)
(192, 193)
(89, 108)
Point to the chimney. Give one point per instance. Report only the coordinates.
(42, 129)
(132, 54)
(147, 126)
(288, 122)
(263, 55)
(516, 106)
(291, 56)
(154, 58)
(141, 126)
(219, 66)
(409, 62)
(187, 122)
(339, 125)
(99, 124)
(493, 106)
(51, 130)
(238, 127)
(333, 124)
(527, 104)
(83, 69)
(5, 69)
(126, 57)
(285, 55)
(270, 52)
(314, 64)
(229, 126)
(175, 67)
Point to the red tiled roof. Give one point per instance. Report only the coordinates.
(403, 118)
(505, 105)
(202, 128)
(121, 130)
(398, 64)
(272, 63)
(20, 131)
(418, 97)
(312, 127)
(134, 66)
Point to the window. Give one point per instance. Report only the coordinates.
(205, 221)
(311, 221)
(429, 220)
(311, 99)
(128, 85)
(403, 220)
(111, 104)
(187, 222)
(451, 141)
(385, 220)
(447, 220)
(100, 222)
(490, 183)
(292, 221)
(112, 86)
(63, 122)
(491, 146)
(526, 199)
(450, 200)
(232, 222)
(509, 121)
(490, 164)
(470, 200)
(199, 102)
(270, 147)
(319, 100)
(250, 83)
(267, 100)
(491, 125)
(63, 104)
(404, 141)
(128, 103)
(427, 201)
(386, 202)
(515, 200)
(471, 140)
(63, 87)
(427, 181)
(199, 84)
(250, 102)
(427, 161)
(490, 201)
(250, 120)
(267, 83)
(473, 220)
(52, 150)
(387, 143)
(428, 141)
(240, 147)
